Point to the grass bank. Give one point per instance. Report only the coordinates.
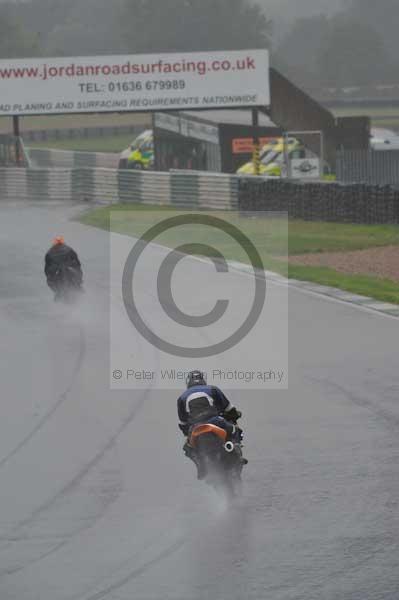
(76, 121)
(112, 143)
(273, 238)
(381, 116)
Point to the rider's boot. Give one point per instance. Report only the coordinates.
(192, 455)
(237, 439)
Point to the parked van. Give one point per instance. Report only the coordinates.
(270, 157)
(140, 154)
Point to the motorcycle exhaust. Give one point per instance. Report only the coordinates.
(229, 447)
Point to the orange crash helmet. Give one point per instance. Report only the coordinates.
(59, 239)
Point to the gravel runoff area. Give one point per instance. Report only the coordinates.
(381, 262)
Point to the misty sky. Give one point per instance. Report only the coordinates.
(292, 9)
(289, 9)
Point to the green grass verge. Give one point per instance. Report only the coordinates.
(381, 116)
(372, 111)
(307, 236)
(385, 122)
(375, 287)
(112, 143)
(271, 237)
(304, 236)
(268, 236)
(76, 121)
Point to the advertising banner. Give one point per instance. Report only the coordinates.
(138, 83)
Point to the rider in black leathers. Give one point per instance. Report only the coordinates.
(58, 258)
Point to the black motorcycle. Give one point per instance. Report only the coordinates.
(221, 459)
(67, 284)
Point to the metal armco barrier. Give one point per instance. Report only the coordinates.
(178, 188)
(313, 201)
(68, 133)
(35, 185)
(217, 191)
(147, 188)
(207, 190)
(353, 203)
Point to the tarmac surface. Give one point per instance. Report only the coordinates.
(97, 500)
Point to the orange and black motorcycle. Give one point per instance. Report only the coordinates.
(219, 456)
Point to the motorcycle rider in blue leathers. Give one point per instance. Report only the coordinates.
(202, 403)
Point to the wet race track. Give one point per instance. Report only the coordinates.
(97, 500)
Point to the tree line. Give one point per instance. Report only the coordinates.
(356, 46)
